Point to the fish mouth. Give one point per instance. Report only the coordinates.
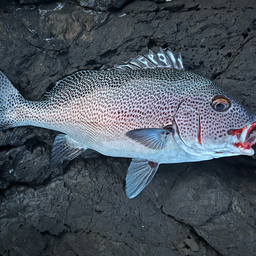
(243, 139)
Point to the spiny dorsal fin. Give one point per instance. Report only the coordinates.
(165, 58)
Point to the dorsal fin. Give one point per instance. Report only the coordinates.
(165, 58)
(81, 82)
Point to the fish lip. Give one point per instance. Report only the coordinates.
(243, 139)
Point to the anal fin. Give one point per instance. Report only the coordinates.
(139, 175)
(65, 148)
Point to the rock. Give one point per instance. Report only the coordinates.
(99, 5)
(35, 1)
(198, 197)
(87, 205)
(80, 207)
(90, 18)
(102, 5)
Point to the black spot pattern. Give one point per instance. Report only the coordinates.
(106, 104)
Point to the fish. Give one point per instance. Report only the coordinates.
(149, 109)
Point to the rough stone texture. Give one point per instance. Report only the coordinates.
(80, 208)
(102, 5)
(99, 5)
(35, 1)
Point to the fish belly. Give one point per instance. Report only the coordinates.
(123, 146)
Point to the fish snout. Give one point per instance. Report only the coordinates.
(245, 138)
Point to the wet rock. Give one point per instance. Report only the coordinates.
(80, 207)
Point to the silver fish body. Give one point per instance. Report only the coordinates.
(150, 110)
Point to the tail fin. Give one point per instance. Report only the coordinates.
(9, 100)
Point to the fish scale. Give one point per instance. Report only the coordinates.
(149, 109)
(108, 103)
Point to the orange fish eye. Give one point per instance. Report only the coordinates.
(220, 103)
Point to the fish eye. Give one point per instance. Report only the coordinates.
(220, 103)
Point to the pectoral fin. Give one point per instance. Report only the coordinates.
(152, 137)
(140, 173)
(64, 148)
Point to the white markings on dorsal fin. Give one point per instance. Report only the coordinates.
(165, 58)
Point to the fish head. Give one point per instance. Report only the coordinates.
(212, 124)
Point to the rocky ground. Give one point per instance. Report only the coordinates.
(80, 208)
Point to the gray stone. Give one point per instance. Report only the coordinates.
(27, 2)
(102, 5)
(80, 208)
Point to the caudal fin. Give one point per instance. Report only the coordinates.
(9, 100)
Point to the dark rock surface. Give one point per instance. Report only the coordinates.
(102, 5)
(80, 208)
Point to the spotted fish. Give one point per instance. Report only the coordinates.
(149, 109)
